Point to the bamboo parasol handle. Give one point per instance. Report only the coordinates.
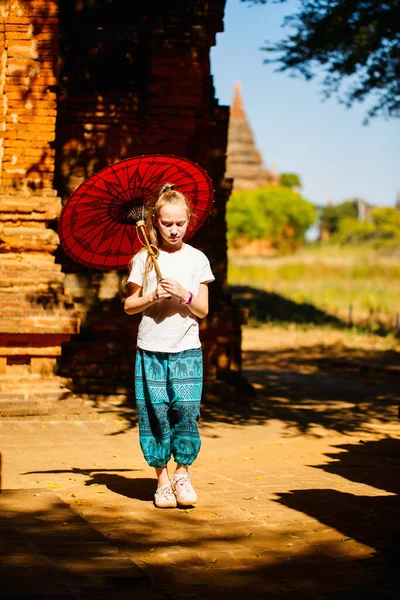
(140, 225)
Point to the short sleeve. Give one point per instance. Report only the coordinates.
(206, 275)
(137, 272)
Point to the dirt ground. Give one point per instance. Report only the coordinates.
(336, 379)
(298, 489)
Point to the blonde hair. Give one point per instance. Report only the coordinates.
(167, 194)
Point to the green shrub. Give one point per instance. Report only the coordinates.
(290, 180)
(331, 216)
(274, 213)
(386, 217)
(383, 227)
(353, 231)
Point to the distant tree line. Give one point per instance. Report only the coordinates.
(280, 215)
(378, 224)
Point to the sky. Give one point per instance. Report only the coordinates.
(336, 156)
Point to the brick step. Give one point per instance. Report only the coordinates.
(12, 311)
(16, 264)
(31, 288)
(76, 354)
(82, 385)
(24, 269)
(29, 276)
(31, 384)
(32, 395)
(96, 359)
(36, 394)
(31, 406)
(26, 300)
(39, 324)
(12, 383)
(29, 238)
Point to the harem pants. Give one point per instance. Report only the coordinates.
(168, 390)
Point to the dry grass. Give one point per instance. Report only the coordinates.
(360, 285)
(275, 337)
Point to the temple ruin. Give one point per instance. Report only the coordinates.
(244, 162)
(84, 85)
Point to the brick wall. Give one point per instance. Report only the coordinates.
(85, 85)
(35, 314)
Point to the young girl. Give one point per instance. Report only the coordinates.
(169, 367)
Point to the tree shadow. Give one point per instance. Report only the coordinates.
(370, 519)
(49, 551)
(209, 554)
(340, 389)
(263, 307)
(97, 364)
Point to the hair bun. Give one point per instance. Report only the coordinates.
(167, 187)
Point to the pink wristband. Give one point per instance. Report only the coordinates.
(188, 301)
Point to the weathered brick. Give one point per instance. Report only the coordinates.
(44, 367)
(179, 117)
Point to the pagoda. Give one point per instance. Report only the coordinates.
(244, 162)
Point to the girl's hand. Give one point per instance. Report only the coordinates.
(160, 294)
(174, 288)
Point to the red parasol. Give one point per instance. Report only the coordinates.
(97, 227)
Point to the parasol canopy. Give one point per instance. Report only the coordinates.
(97, 227)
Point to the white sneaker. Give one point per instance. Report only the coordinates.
(185, 494)
(165, 497)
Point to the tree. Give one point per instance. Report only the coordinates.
(383, 228)
(274, 213)
(290, 180)
(386, 216)
(331, 216)
(356, 42)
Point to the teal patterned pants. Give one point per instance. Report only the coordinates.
(168, 390)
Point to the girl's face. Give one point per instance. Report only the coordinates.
(172, 222)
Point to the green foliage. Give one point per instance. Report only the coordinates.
(386, 218)
(332, 215)
(356, 43)
(353, 231)
(274, 213)
(383, 226)
(290, 180)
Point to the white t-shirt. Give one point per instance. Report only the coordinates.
(169, 326)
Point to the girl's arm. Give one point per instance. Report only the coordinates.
(198, 305)
(135, 302)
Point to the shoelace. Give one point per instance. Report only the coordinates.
(183, 481)
(166, 490)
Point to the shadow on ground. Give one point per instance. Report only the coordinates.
(340, 389)
(263, 307)
(141, 488)
(371, 520)
(49, 551)
(350, 548)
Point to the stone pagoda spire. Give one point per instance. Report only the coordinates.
(244, 163)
